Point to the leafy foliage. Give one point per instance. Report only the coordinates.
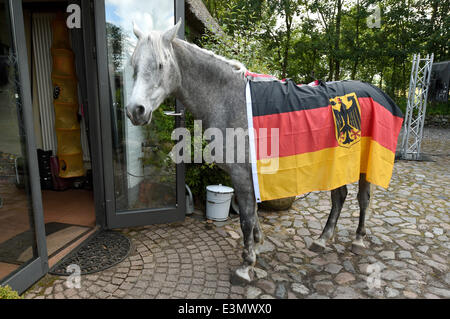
(199, 176)
(331, 39)
(8, 293)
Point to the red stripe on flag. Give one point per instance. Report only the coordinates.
(380, 124)
(257, 75)
(313, 130)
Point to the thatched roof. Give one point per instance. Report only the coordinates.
(199, 19)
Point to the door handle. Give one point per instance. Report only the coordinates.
(172, 113)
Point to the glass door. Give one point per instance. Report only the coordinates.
(23, 252)
(142, 184)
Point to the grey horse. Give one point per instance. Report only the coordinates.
(212, 88)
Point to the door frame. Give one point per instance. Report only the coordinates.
(130, 218)
(36, 269)
(91, 106)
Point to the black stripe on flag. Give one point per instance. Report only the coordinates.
(275, 97)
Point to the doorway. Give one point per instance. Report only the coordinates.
(55, 56)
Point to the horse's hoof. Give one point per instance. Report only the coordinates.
(241, 277)
(358, 248)
(317, 246)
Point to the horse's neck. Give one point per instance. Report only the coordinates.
(207, 81)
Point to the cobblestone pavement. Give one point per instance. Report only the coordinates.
(407, 257)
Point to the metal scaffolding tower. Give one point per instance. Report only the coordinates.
(417, 107)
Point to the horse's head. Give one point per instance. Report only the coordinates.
(156, 73)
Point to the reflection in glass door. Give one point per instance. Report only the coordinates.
(146, 182)
(18, 238)
(144, 174)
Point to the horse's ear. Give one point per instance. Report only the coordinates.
(171, 34)
(137, 32)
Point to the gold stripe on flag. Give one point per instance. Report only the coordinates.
(325, 170)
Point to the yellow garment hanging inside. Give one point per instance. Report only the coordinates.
(67, 126)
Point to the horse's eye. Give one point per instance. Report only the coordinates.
(160, 66)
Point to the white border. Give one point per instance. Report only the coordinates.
(251, 137)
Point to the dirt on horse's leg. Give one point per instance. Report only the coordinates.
(358, 246)
(338, 197)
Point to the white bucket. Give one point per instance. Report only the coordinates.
(218, 201)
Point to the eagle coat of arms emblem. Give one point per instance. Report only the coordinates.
(347, 119)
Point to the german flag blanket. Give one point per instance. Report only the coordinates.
(319, 137)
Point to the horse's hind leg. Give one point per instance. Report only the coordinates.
(338, 197)
(358, 246)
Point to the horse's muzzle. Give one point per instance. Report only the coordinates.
(138, 116)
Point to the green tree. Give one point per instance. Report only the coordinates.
(331, 40)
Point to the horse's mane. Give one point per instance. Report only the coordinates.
(237, 66)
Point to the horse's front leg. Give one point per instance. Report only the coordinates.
(248, 218)
(248, 224)
(258, 235)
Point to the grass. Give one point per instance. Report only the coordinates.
(433, 108)
(43, 284)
